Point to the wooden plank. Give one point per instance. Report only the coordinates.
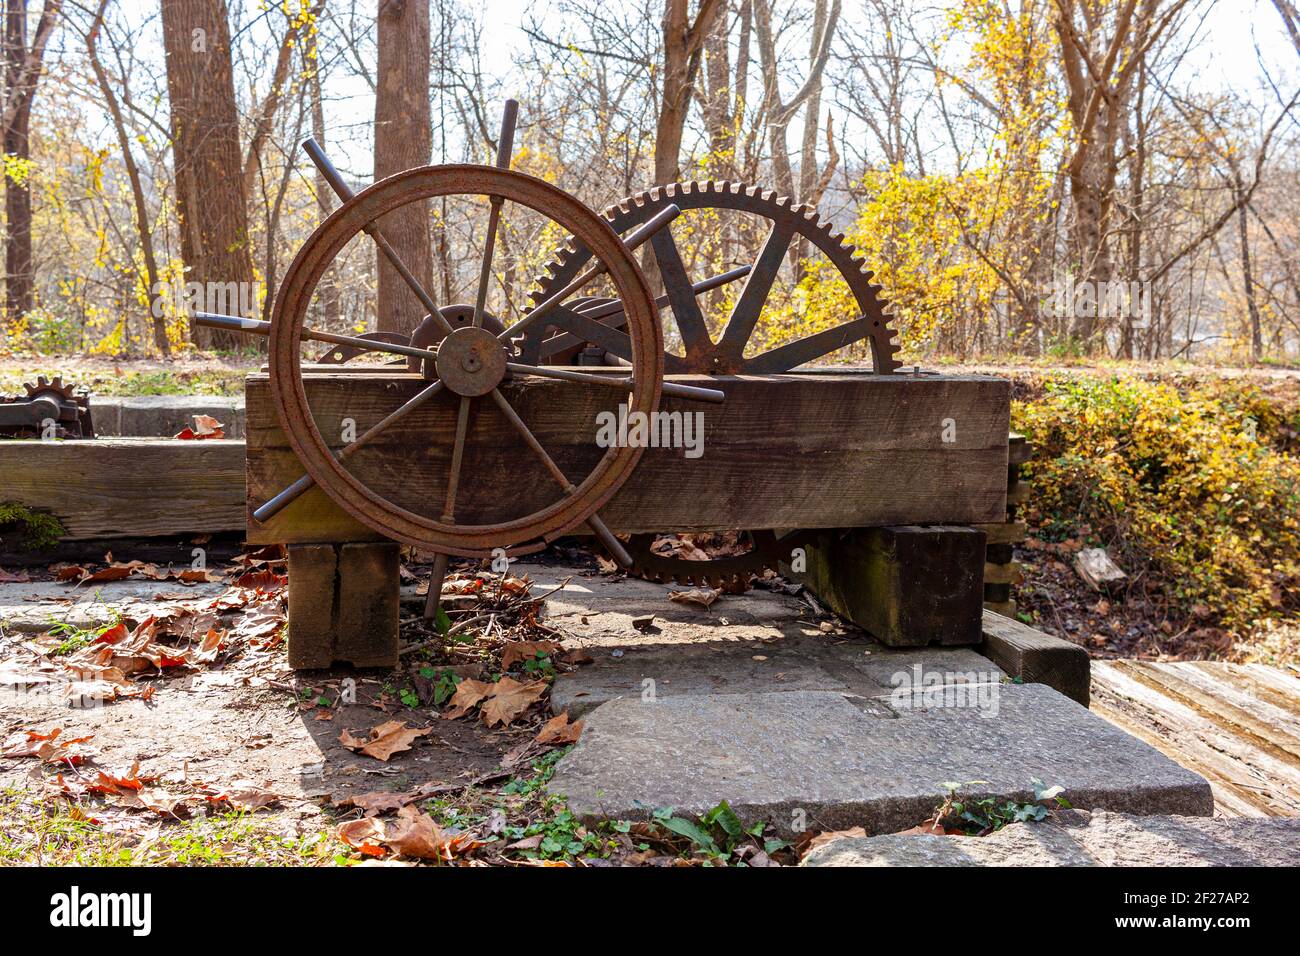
(1019, 450)
(1247, 779)
(794, 451)
(1004, 532)
(1002, 573)
(1270, 727)
(908, 586)
(128, 487)
(1035, 657)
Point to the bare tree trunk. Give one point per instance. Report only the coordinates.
(683, 50)
(22, 71)
(143, 229)
(210, 195)
(328, 293)
(716, 98)
(1243, 239)
(403, 139)
(780, 113)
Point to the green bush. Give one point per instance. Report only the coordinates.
(1194, 482)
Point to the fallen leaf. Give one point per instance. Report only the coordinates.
(377, 801)
(526, 650)
(704, 597)
(205, 426)
(469, 693)
(415, 834)
(385, 740)
(364, 836)
(510, 699)
(8, 577)
(558, 730)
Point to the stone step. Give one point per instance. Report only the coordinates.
(162, 416)
(826, 760)
(1083, 839)
(858, 667)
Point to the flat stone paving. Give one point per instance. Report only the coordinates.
(828, 761)
(751, 702)
(1083, 839)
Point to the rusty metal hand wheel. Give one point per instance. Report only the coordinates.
(470, 360)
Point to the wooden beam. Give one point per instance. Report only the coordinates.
(790, 451)
(1035, 657)
(128, 487)
(908, 586)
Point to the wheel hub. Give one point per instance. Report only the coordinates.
(471, 361)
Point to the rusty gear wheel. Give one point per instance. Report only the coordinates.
(727, 356)
(767, 550)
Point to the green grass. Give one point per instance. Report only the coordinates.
(58, 833)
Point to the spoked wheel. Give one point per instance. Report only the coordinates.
(470, 363)
(463, 355)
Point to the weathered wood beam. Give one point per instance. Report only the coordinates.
(1036, 658)
(907, 586)
(792, 451)
(128, 487)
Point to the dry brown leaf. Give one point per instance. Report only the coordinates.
(205, 426)
(364, 836)
(703, 597)
(385, 740)
(376, 802)
(510, 699)
(526, 650)
(469, 693)
(558, 730)
(415, 834)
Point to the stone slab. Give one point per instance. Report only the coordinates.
(162, 416)
(1084, 839)
(827, 761)
(856, 666)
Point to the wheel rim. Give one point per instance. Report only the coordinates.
(289, 393)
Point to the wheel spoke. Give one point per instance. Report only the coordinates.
(632, 241)
(586, 329)
(677, 390)
(599, 527)
(234, 323)
(793, 354)
(744, 316)
(345, 193)
(505, 144)
(680, 293)
(277, 503)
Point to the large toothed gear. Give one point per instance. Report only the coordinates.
(767, 551)
(727, 356)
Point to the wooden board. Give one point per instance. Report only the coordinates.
(1237, 725)
(793, 451)
(1036, 658)
(134, 487)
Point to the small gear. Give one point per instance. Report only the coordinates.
(44, 386)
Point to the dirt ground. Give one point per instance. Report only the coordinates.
(232, 742)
